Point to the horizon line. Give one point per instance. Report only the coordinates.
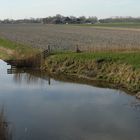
(28, 18)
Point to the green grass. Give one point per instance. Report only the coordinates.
(19, 49)
(130, 58)
(3, 55)
(113, 25)
(14, 45)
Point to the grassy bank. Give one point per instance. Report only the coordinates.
(122, 69)
(20, 55)
(12, 50)
(119, 68)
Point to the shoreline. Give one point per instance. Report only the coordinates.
(111, 72)
(120, 69)
(88, 81)
(100, 82)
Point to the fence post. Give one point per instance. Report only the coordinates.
(77, 49)
(49, 49)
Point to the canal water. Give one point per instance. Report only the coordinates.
(39, 108)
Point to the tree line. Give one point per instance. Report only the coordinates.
(120, 20)
(22, 21)
(59, 19)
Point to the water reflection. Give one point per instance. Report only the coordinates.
(29, 76)
(65, 110)
(32, 76)
(136, 105)
(5, 131)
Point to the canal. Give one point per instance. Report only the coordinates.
(39, 108)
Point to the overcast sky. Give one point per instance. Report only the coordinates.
(42, 8)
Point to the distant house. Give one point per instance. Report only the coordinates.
(66, 20)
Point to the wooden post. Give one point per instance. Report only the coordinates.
(49, 49)
(49, 80)
(77, 49)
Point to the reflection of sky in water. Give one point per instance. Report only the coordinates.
(65, 111)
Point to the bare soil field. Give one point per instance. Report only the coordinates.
(67, 37)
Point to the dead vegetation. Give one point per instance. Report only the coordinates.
(122, 75)
(68, 37)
